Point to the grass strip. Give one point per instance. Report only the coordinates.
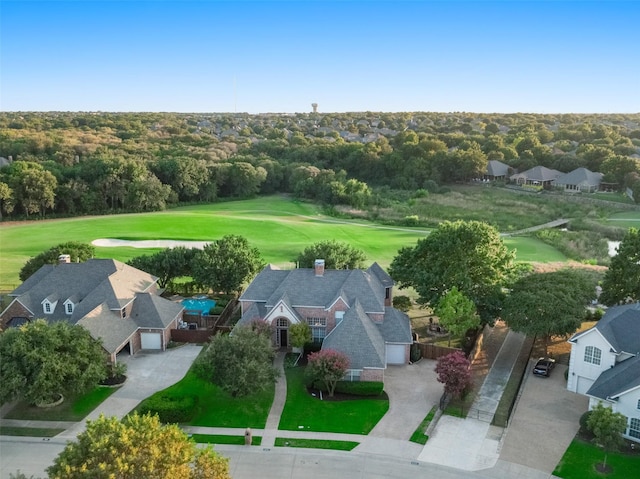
(29, 431)
(419, 435)
(316, 443)
(305, 412)
(581, 457)
(221, 439)
(74, 408)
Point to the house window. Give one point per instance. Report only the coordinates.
(592, 355)
(634, 427)
(638, 407)
(339, 316)
(47, 308)
(69, 308)
(282, 323)
(318, 328)
(124, 313)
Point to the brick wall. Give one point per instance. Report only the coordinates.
(372, 375)
(14, 310)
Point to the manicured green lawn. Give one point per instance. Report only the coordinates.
(29, 431)
(72, 409)
(216, 408)
(627, 219)
(305, 412)
(581, 457)
(278, 226)
(316, 443)
(419, 435)
(220, 439)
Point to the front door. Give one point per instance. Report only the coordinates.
(282, 327)
(283, 338)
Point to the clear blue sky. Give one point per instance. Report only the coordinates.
(213, 56)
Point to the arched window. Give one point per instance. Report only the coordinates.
(592, 355)
(282, 323)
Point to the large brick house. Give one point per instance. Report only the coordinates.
(347, 310)
(116, 303)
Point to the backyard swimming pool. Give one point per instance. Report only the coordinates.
(201, 304)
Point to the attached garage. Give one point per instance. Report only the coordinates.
(396, 353)
(151, 340)
(583, 385)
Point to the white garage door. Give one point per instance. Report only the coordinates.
(151, 340)
(583, 385)
(395, 353)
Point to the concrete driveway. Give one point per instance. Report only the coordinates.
(545, 421)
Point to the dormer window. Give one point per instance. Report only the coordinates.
(124, 313)
(48, 306)
(68, 307)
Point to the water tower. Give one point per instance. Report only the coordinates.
(315, 107)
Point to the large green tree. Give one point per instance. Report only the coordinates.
(607, 427)
(336, 255)
(241, 363)
(79, 252)
(622, 280)
(548, 304)
(138, 447)
(226, 264)
(457, 313)
(167, 264)
(469, 255)
(41, 360)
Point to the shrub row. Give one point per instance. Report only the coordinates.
(171, 409)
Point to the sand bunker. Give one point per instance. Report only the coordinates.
(108, 243)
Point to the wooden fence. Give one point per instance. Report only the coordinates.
(431, 351)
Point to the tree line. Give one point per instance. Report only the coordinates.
(76, 164)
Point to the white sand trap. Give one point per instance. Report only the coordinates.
(109, 243)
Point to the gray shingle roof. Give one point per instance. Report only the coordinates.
(381, 275)
(359, 338)
(616, 380)
(497, 168)
(396, 327)
(620, 326)
(538, 173)
(580, 176)
(304, 288)
(99, 289)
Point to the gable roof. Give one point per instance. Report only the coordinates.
(305, 289)
(620, 326)
(617, 380)
(396, 327)
(580, 176)
(359, 338)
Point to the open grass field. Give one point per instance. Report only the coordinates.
(278, 226)
(627, 219)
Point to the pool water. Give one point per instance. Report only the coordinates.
(203, 305)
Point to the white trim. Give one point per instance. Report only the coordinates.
(335, 301)
(16, 299)
(284, 312)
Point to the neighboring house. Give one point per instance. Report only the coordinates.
(115, 302)
(496, 170)
(537, 176)
(605, 364)
(347, 310)
(579, 180)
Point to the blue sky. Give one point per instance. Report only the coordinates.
(263, 56)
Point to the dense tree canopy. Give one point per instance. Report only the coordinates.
(457, 313)
(138, 447)
(78, 252)
(548, 304)
(226, 264)
(336, 255)
(622, 279)
(469, 255)
(167, 264)
(41, 360)
(241, 363)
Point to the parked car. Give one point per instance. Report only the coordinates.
(544, 366)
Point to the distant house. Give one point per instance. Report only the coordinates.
(496, 170)
(347, 310)
(605, 364)
(579, 180)
(115, 302)
(538, 176)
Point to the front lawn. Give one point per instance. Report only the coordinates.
(216, 408)
(305, 412)
(221, 439)
(29, 431)
(419, 435)
(72, 409)
(316, 443)
(581, 457)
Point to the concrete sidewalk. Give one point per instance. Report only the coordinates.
(472, 444)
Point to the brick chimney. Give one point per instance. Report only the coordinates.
(319, 267)
(64, 258)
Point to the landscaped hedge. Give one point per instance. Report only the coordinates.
(170, 409)
(360, 388)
